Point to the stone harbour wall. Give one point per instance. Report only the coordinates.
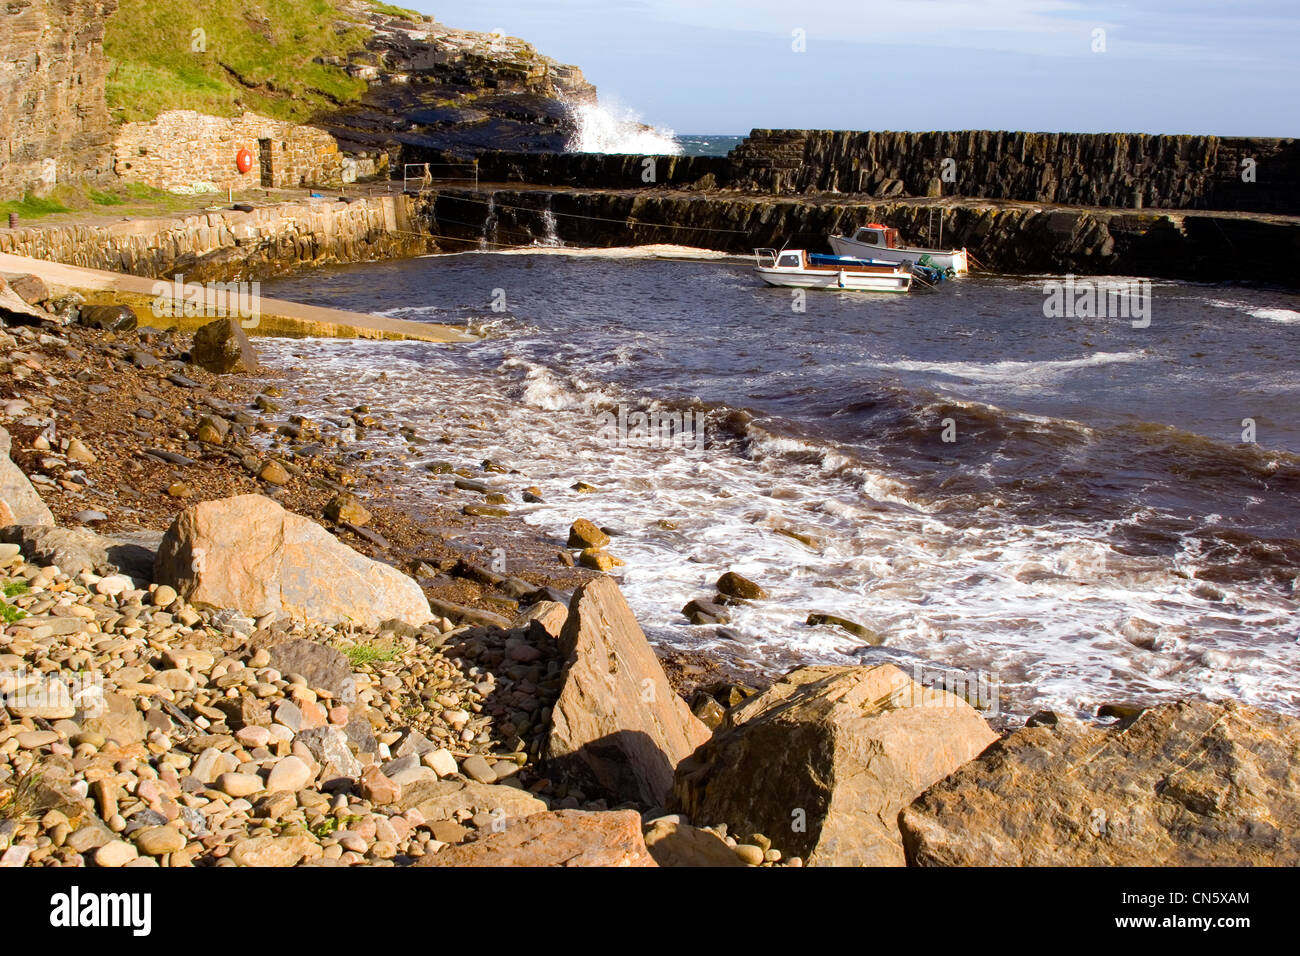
(182, 150)
(54, 124)
(228, 244)
(1003, 235)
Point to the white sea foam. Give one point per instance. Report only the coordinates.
(611, 127)
(1012, 372)
(1064, 620)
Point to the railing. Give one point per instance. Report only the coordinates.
(424, 176)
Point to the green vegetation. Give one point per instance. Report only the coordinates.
(123, 199)
(18, 800)
(392, 11)
(369, 653)
(32, 207)
(9, 613)
(259, 55)
(15, 588)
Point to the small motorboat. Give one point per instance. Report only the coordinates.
(880, 242)
(798, 269)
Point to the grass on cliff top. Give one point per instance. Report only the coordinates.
(122, 200)
(257, 55)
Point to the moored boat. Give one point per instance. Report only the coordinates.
(882, 243)
(798, 269)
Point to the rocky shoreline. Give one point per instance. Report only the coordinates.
(284, 667)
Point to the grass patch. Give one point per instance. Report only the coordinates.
(260, 55)
(369, 652)
(15, 588)
(389, 10)
(33, 207)
(19, 799)
(9, 613)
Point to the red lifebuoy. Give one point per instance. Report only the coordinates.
(243, 160)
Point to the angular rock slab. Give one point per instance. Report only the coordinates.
(559, 838)
(1184, 784)
(16, 489)
(823, 761)
(617, 726)
(250, 554)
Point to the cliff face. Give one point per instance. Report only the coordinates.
(436, 90)
(54, 125)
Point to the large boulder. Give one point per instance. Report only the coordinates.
(822, 762)
(16, 490)
(250, 554)
(222, 346)
(617, 728)
(1184, 784)
(559, 838)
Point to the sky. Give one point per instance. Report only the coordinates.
(1229, 67)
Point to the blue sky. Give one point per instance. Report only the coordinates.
(725, 66)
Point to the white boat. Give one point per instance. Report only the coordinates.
(797, 269)
(880, 242)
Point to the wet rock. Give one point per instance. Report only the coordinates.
(222, 346)
(109, 318)
(857, 630)
(617, 725)
(737, 586)
(250, 554)
(559, 838)
(1185, 784)
(583, 534)
(826, 758)
(699, 611)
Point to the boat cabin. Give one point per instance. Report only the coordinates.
(874, 234)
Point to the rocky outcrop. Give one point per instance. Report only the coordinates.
(23, 502)
(54, 123)
(438, 93)
(249, 554)
(1186, 784)
(617, 728)
(824, 760)
(560, 838)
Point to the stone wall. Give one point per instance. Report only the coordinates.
(54, 125)
(228, 244)
(184, 150)
(1004, 236)
(600, 170)
(1104, 169)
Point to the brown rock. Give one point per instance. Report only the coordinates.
(273, 473)
(559, 838)
(680, 844)
(544, 617)
(223, 347)
(617, 725)
(738, 586)
(823, 761)
(583, 534)
(347, 507)
(250, 554)
(377, 788)
(1184, 784)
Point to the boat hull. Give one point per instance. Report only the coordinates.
(955, 259)
(838, 281)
